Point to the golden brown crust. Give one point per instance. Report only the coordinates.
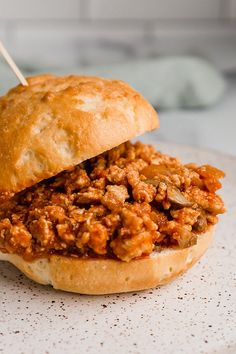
(97, 276)
(58, 122)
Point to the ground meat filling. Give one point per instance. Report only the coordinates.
(121, 204)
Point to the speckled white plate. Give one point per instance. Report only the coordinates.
(194, 314)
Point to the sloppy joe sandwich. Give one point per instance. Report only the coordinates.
(84, 209)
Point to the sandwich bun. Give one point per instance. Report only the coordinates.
(58, 122)
(106, 276)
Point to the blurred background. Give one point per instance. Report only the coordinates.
(181, 54)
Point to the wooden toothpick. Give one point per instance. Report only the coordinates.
(12, 64)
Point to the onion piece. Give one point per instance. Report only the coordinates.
(155, 182)
(176, 197)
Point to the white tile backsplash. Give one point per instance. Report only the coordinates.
(67, 32)
(154, 9)
(216, 43)
(66, 45)
(56, 44)
(39, 9)
(232, 9)
(3, 33)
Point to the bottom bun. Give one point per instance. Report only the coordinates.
(107, 276)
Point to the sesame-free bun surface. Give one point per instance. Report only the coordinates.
(107, 276)
(58, 122)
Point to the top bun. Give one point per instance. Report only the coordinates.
(57, 122)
